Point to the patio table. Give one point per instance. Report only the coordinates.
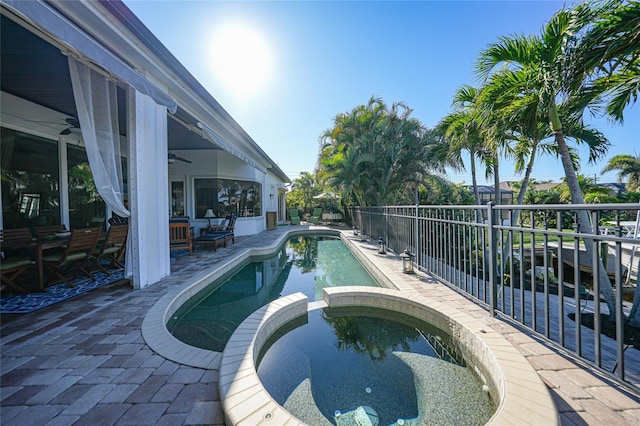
(46, 244)
(38, 246)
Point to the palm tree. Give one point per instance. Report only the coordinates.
(611, 48)
(305, 187)
(463, 129)
(552, 60)
(376, 154)
(629, 168)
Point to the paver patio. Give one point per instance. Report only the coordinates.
(84, 361)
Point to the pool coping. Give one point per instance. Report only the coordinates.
(154, 330)
(158, 338)
(520, 395)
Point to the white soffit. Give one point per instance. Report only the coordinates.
(222, 143)
(55, 24)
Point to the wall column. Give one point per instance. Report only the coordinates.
(148, 194)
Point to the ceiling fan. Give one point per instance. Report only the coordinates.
(74, 126)
(173, 157)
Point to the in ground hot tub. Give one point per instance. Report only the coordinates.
(520, 396)
(348, 366)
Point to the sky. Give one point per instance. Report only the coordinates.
(284, 70)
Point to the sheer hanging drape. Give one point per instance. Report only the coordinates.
(97, 107)
(96, 103)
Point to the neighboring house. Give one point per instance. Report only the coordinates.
(487, 193)
(546, 186)
(614, 188)
(89, 94)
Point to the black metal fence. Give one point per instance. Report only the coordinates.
(534, 265)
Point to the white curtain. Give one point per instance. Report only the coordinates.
(97, 106)
(96, 103)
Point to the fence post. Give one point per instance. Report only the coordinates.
(386, 225)
(492, 235)
(418, 257)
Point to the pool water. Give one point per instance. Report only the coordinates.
(304, 264)
(368, 366)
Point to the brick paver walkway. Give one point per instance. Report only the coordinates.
(84, 362)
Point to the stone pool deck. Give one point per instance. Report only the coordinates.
(84, 361)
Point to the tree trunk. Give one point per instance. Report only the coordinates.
(474, 180)
(516, 216)
(584, 223)
(527, 178)
(476, 193)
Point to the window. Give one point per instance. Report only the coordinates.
(86, 208)
(30, 180)
(177, 198)
(226, 196)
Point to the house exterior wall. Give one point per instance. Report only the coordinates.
(223, 165)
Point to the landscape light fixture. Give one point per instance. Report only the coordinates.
(381, 246)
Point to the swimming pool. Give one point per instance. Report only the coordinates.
(343, 365)
(305, 264)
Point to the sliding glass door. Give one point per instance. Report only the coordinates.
(30, 180)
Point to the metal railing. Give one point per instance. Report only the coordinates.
(534, 265)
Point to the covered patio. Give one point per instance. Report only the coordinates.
(173, 149)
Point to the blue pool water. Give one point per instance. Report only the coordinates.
(366, 367)
(304, 264)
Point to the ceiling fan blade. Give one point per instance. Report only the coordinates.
(173, 157)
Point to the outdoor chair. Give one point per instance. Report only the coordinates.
(112, 249)
(226, 229)
(211, 238)
(315, 216)
(15, 245)
(295, 217)
(76, 254)
(180, 234)
(49, 230)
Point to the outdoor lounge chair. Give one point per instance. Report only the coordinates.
(79, 249)
(226, 230)
(180, 234)
(315, 216)
(112, 249)
(213, 235)
(213, 239)
(295, 218)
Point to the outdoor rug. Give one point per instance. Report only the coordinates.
(26, 303)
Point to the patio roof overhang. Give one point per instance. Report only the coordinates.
(53, 23)
(35, 69)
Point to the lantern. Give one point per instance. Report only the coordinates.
(355, 230)
(381, 245)
(407, 261)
